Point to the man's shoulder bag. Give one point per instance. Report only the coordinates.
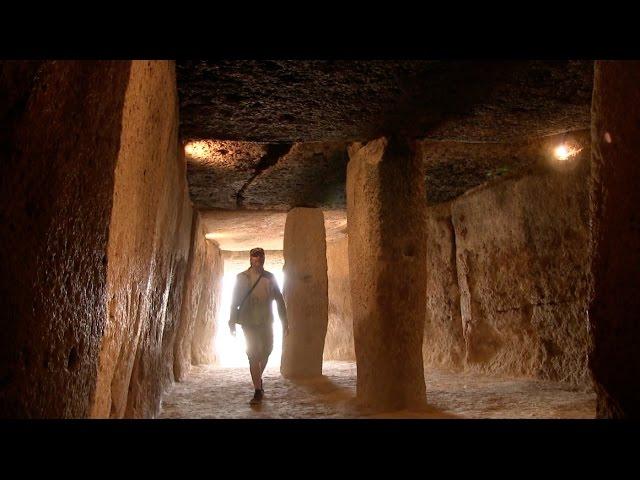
(239, 306)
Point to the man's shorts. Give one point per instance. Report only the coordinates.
(259, 339)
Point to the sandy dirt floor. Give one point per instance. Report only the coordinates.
(211, 392)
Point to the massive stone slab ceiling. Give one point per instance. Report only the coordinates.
(452, 168)
(249, 175)
(344, 100)
(310, 175)
(313, 174)
(218, 170)
(242, 230)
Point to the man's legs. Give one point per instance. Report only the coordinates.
(263, 365)
(256, 369)
(252, 338)
(267, 348)
(259, 345)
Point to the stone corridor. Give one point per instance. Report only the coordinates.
(210, 392)
(423, 216)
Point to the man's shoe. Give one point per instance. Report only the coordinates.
(257, 397)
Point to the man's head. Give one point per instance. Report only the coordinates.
(256, 257)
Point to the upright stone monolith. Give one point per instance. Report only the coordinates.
(615, 196)
(386, 206)
(305, 292)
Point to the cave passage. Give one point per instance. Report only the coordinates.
(452, 239)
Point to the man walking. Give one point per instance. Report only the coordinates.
(253, 295)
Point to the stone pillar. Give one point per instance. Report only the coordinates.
(615, 196)
(305, 292)
(386, 207)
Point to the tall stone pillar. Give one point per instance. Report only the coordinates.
(386, 207)
(615, 197)
(305, 292)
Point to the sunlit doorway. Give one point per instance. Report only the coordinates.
(231, 351)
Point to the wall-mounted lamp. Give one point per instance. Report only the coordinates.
(565, 151)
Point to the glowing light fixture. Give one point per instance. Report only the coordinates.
(564, 151)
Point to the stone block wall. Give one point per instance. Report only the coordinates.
(96, 233)
(61, 124)
(339, 340)
(522, 257)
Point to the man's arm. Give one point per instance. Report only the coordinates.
(282, 309)
(235, 299)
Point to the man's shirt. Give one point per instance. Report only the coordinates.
(256, 309)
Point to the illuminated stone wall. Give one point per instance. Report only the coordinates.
(522, 256)
(201, 303)
(304, 292)
(339, 340)
(148, 249)
(60, 129)
(507, 274)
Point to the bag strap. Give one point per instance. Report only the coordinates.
(249, 293)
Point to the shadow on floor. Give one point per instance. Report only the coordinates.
(324, 390)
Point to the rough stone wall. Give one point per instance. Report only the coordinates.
(210, 282)
(615, 196)
(339, 340)
(443, 344)
(304, 292)
(148, 249)
(522, 264)
(60, 128)
(202, 292)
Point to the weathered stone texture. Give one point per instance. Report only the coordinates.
(443, 344)
(615, 196)
(347, 100)
(339, 340)
(453, 168)
(60, 126)
(305, 293)
(522, 258)
(210, 283)
(387, 266)
(203, 287)
(148, 249)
